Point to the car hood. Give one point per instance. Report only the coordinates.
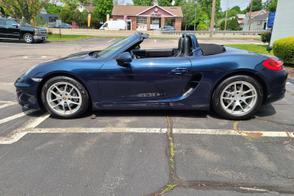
(67, 64)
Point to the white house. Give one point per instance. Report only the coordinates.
(284, 20)
(258, 21)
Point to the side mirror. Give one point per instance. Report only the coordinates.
(16, 26)
(124, 59)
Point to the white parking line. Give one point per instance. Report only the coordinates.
(16, 116)
(19, 133)
(7, 105)
(111, 40)
(217, 132)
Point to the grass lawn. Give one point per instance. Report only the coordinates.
(56, 37)
(260, 49)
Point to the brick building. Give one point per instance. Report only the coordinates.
(148, 17)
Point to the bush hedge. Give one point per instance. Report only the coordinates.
(284, 49)
(266, 37)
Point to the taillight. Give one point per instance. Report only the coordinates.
(273, 64)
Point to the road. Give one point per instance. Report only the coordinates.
(137, 152)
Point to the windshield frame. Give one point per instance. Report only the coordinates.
(121, 46)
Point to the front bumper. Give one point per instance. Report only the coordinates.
(27, 93)
(40, 37)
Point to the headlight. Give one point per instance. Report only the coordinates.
(37, 31)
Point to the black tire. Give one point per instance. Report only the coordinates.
(28, 38)
(84, 95)
(216, 98)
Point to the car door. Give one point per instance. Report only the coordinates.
(144, 80)
(12, 29)
(2, 28)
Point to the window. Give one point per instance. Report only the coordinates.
(2, 22)
(11, 23)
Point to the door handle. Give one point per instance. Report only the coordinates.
(179, 71)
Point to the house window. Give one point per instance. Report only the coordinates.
(142, 23)
(141, 20)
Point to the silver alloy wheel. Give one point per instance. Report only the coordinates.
(239, 98)
(64, 98)
(28, 38)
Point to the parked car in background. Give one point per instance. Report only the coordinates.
(114, 25)
(168, 28)
(63, 25)
(12, 30)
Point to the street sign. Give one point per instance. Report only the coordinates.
(271, 20)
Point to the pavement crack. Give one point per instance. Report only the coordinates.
(174, 180)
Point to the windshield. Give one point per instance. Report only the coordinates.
(114, 47)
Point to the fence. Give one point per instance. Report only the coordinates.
(159, 34)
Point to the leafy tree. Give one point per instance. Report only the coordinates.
(142, 2)
(165, 2)
(272, 5)
(53, 9)
(76, 2)
(232, 24)
(28, 9)
(256, 6)
(81, 18)
(202, 19)
(234, 11)
(102, 8)
(66, 13)
(203, 13)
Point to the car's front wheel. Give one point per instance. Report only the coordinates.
(65, 97)
(28, 38)
(237, 97)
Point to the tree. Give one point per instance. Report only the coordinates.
(232, 24)
(256, 6)
(52, 8)
(142, 2)
(102, 8)
(76, 2)
(165, 2)
(272, 5)
(201, 20)
(234, 11)
(28, 9)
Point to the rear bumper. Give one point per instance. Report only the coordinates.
(27, 93)
(276, 87)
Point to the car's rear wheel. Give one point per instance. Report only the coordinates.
(64, 97)
(28, 38)
(237, 97)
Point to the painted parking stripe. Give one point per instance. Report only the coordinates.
(7, 105)
(16, 116)
(21, 132)
(111, 40)
(216, 132)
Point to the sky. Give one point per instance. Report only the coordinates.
(231, 3)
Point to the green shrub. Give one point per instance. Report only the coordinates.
(284, 49)
(266, 37)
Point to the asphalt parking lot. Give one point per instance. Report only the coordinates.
(137, 152)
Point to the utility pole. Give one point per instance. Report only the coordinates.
(195, 15)
(226, 17)
(250, 14)
(212, 18)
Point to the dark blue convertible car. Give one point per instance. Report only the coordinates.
(234, 83)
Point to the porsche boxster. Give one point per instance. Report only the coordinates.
(234, 83)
